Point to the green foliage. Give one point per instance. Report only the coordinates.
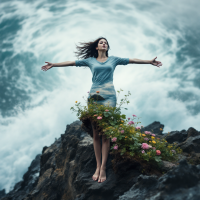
(129, 138)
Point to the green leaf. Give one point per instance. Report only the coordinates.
(132, 154)
(123, 116)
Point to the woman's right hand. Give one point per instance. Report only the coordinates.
(47, 66)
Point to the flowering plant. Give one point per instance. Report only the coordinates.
(127, 138)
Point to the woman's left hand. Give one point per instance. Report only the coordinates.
(155, 62)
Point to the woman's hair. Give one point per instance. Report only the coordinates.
(88, 49)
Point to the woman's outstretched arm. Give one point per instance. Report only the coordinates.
(138, 61)
(62, 64)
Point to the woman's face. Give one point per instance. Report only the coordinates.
(102, 45)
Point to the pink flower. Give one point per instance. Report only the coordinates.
(134, 116)
(154, 148)
(153, 134)
(129, 118)
(146, 139)
(131, 122)
(145, 146)
(173, 151)
(143, 151)
(99, 117)
(106, 110)
(137, 127)
(116, 146)
(147, 132)
(158, 152)
(122, 131)
(114, 139)
(120, 127)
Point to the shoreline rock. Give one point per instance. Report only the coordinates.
(64, 171)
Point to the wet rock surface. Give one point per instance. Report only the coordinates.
(182, 182)
(64, 171)
(30, 179)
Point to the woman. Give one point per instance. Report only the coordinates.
(95, 56)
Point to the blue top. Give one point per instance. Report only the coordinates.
(102, 75)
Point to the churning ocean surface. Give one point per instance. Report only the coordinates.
(35, 105)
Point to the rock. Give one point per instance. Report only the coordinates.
(67, 167)
(181, 182)
(176, 136)
(154, 127)
(166, 166)
(30, 179)
(2, 193)
(192, 132)
(192, 144)
(65, 171)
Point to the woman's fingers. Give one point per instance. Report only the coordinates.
(46, 67)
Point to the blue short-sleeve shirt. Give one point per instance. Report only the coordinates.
(102, 76)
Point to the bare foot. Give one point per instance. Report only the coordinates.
(96, 174)
(102, 176)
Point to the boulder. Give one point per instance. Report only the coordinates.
(181, 182)
(154, 127)
(176, 136)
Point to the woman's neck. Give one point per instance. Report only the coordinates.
(101, 55)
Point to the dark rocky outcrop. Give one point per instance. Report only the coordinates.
(2, 193)
(30, 179)
(182, 182)
(66, 168)
(155, 127)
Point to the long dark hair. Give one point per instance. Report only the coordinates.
(88, 49)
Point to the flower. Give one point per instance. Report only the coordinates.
(120, 124)
(143, 135)
(116, 146)
(114, 139)
(120, 127)
(131, 122)
(129, 118)
(161, 129)
(143, 151)
(106, 110)
(154, 148)
(145, 146)
(76, 101)
(173, 151)
(150, 146)
(122, 131)
(99, 117)
(137, 127)
(152, 137)
(88, 92)
(147, 132)
(95, 115)
(97, 91)
(122, 121)
(158, 152)
(153, 134)
(154, 142)
(146, 139)
(142, 126)
(134, 115)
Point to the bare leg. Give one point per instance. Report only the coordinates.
(97, 150)
(105, 151)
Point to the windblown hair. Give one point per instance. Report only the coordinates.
(88, 49)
